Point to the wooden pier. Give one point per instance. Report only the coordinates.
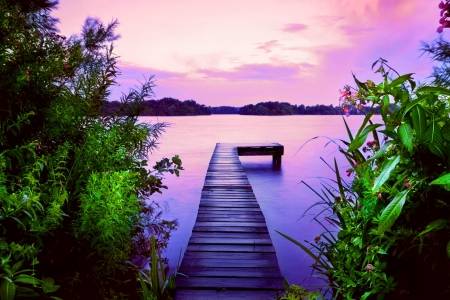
(230, 254)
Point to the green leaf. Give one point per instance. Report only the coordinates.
(381, 151)
(361, 85)
(384, 107)
(413, 103)
(433, 89)
(435, 225)
(304, 248)
(401, 79)
(406, 135)
(392, 134)
(445, 179)
(350, 136)
(392, 211)
(7, 290)
(446, 131)
(419, 120)
(16, 266)
(388, 166)
(433, 137)
(448, 249)
(23, 278)
(412, 83)
(361, 137)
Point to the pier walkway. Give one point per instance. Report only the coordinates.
(230, 254)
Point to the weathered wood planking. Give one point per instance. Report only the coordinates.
(230, 254)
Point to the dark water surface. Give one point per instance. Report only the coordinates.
(282, 198)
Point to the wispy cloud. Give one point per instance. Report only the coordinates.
(269, 72)
(294, 27)
(267, 46)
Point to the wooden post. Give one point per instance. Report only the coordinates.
(276, 159)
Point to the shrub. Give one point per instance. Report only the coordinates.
(74, 187)
(393, 218)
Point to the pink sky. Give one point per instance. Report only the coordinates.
(237, 52)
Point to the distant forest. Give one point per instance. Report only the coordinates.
(175, 107)
(284, 108)
(163, 107)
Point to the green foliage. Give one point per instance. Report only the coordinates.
(295, 292)
(74, 187)
(392, 219)
(156, 278)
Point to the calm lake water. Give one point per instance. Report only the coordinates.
(282, 198)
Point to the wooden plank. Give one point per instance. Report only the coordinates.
(230, 282)
(229, 213)
(232, 224)
(230, 255)
(230, 219)
(232, 248)
(227, 209)
(230, 235)
(228, 204)
(230, 272)
(229, 229)
(232, 263)
(229, 241)
(224, 295)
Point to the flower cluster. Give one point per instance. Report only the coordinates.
(353, 98)
(369, 267)
(407, 184)
(445, 15)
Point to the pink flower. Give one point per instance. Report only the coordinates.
(128, 152)
(346, 111)
(441, 5)
(407, 185)
(440, 29)
(317, 239)
(344, 93)
(380, 196)
(107, 172)
(349, 172)
(27, 72)
(369, 267)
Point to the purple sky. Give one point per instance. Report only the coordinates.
(237, 52)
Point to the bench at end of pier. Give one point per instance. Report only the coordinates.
(274, 149)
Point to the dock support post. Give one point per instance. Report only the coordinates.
(276, 159)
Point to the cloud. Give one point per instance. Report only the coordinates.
(294, 27)
(258, 72)
(267, 46)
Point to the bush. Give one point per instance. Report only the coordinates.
(393, 218)
(74, 187)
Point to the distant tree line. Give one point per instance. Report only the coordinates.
(174, 107)
(163, 107)
(224, 110)
(284, 108)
